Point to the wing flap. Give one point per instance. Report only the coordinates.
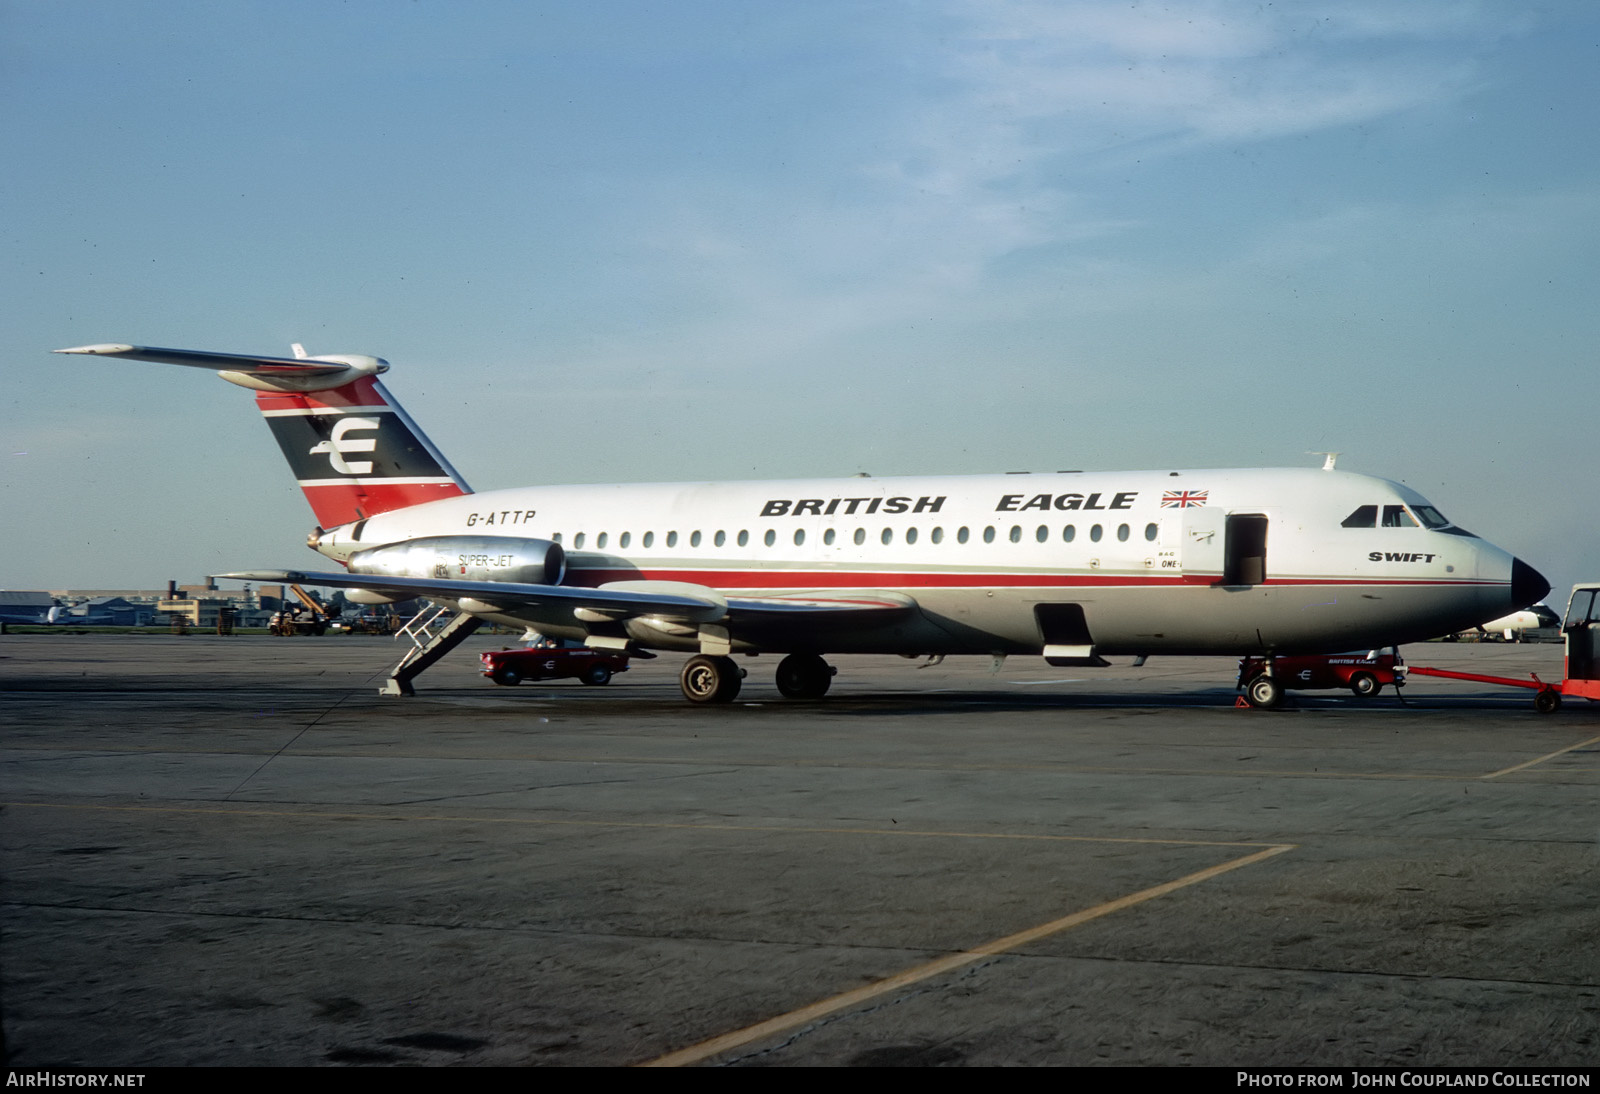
(821, 605)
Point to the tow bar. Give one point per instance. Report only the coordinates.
(1546, 701)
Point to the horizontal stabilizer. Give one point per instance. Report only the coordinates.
(249, 363)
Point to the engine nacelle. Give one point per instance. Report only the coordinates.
(467, 558)
(370, 598)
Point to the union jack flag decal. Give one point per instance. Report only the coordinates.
(1183, 499)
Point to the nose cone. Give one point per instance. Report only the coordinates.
(1528, 585)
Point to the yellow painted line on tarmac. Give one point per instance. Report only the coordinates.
(1542, 759)
(782, 1023)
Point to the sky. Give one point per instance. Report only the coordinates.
(637, 241)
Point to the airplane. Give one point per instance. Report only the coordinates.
(1511, 627)
(1072, 566)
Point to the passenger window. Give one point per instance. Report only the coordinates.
(888, 536)
(1068, 534)
(799, 536)
(600, 541)
(1016, 533)
(1151, 531)
(1395, 516)
(720, 538)
(555, 537)
(861, 536)
(770, 538)
(961, 535)
(1364, 517)
(624, 539)
(577, 542)
(694, 538)
(1094, 533)
(1042, 534)
(649, 539)
(828, 537)
(988, 534)
(672, 539)
(938, 535)
(744, 538)
(1122, 533)
(911, 535)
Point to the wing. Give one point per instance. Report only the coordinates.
(563, 605)
(552, 603)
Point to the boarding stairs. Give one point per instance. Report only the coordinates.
(432, 636)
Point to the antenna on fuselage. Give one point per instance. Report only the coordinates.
(1330, 459)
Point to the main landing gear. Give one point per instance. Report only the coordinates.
(804, 676)
(708, 679)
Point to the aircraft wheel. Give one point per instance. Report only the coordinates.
(804, 676)
(597, 675)
(710, 679)
(1365, 684)
(1548, 701)
(507, 677)
(1263, 693)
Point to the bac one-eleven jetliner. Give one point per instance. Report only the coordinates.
(1072, 566)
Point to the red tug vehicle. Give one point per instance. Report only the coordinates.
(1363, 673)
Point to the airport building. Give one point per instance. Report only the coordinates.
(199, 606)
(25, 607)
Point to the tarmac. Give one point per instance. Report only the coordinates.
(233, 851)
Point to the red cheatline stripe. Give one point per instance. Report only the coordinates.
(905, 579)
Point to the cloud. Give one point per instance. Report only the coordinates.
(1009, 117)
(1095, 76)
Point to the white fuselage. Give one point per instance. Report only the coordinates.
(1225, 561)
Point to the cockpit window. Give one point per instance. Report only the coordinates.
(1429, 516)
(1395, 516)
(1364, 517)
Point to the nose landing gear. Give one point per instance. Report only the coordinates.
(1264, 692)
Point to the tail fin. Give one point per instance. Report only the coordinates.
(353, 449)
